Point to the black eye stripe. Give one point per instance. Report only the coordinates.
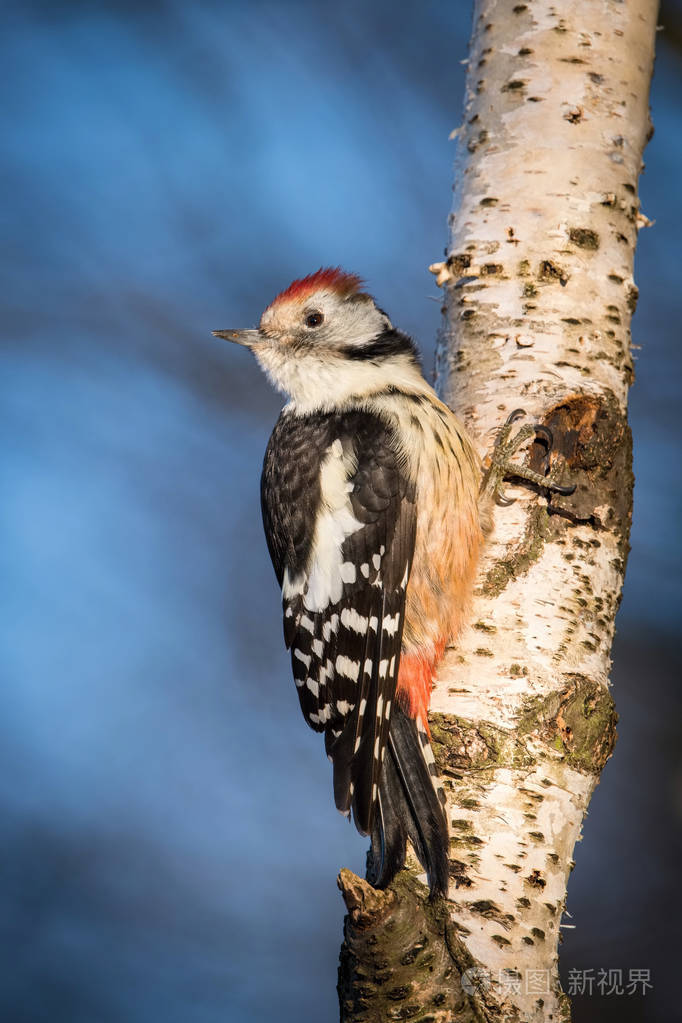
(314, 319)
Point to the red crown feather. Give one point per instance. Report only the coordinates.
(331, 278)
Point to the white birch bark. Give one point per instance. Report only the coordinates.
(539, 294)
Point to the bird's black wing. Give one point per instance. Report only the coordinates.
(339, 514)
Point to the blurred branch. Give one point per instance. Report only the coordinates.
(539, 296)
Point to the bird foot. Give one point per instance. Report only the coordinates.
(502, 467)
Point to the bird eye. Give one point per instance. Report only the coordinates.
(314, 319)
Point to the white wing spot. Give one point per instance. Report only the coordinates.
(391, 667)
(324, 715)
(376, 747)
(368, 666)
(388, 709)
(318, 647)
(348, 573)
(306, 658)
(314, 686)
(331, 626)
(383, 668)
(380, 705)
(343, 707)
(374, 623)
(376, 561)
(363, 704)
(350, 669)
(292, 587)
(352, 620)
(390, 623)
(365, 570)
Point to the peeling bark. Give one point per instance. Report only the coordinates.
(539, 295)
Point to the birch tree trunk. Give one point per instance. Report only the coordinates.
(539, 295)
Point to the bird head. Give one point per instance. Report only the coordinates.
(324, 340)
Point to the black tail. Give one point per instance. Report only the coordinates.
(408, 807)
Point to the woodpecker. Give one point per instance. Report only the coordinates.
(370, 502)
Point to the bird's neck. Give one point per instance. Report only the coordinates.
(313, 384)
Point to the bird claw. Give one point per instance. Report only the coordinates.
(544, 433)
(502, 500)
(501, 464)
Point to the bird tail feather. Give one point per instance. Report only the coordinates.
(409, 806)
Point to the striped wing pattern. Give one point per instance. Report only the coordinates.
(341, 522)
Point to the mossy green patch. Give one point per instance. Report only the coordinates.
(578, 721)
(520, 559)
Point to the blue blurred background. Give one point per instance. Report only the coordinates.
(168, 840)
